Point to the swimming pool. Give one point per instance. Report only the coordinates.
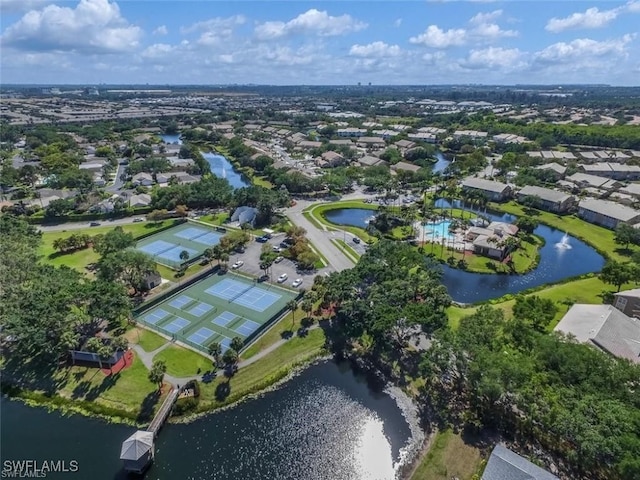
(438, 231)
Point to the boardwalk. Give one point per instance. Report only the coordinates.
(164, 411)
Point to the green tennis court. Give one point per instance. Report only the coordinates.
(216, 309)
(166, 246)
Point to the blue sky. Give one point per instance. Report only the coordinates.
(326, 42)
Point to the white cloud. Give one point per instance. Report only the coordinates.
(161, 30)
(19, 6)
(591, 18)
(398, 22)
(375, 49)
(487, 17)
(633, 7)
(94, 26)
(491, 31)
(435, 37)
(584, 50)
(311, 22)
(157, 50)
(493, 57)
(217, 23)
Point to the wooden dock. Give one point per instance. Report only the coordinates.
(163, 413)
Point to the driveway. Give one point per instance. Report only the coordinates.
(118, 182)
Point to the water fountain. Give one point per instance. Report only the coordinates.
(564, 243)
(224, 172)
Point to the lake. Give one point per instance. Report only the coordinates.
(555, 264)
(327, 422)
(221, 167)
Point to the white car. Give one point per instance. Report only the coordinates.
(238, 264)
(136, 220)
(282, 278)
(277, 249)
(297, 282)
(278, 259)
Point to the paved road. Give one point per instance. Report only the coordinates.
(118, 182)
(321, 239)
(78, 225)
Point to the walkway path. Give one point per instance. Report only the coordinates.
(147, 359)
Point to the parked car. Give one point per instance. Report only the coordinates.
(283, 278)
(137, 220)
(278, 259)
(356, 240)
(238, 264)
(277, 249)
(240, 249)
(297, 282)
(261, 239)
(94, 224)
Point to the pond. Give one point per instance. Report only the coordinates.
(441, 163)
(221, 167)
(327, 422)
(561, 257)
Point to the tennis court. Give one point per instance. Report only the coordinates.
(216, 309)
(166, 247)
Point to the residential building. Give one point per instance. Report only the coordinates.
(584, 180)
(469, 135)
(407, 167)
(495, 191)
(633, 189)
(628, 302)
(505, 464)
(332, 159)
(351, 132)
(607, 214)
(404, 144)
(616, 171)
(549, 200)
(140, 200)
(309, 144)
(509, 138)
(423, 137)
(370, 161)
(557, 169)
(143, 178)
(180, 163)
(490, 241)
(605, 327)
(371, 142)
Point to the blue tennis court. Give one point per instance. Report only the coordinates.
(157, 247)
(252, 296)
(224, 318)
(173, 254)
(200, 336)
(225, 343)
(208, 238)
(191, 233)
(177, 324)
(247, 328)
(155, 316)
(200, 309)
(181, 301)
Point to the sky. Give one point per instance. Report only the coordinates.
(160, 42)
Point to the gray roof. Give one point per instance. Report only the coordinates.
(244, 214)
(137, 445)
(610, 209)
(635, 293)
(504, 464)
(605, 327)
(545, 193)
(591, 180)
(556, 167)
(482, 184)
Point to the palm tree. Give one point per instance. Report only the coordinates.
(224, 257)
(217, 253)
(209, 255)
(184, 256)
(236, 343)
(156, 374)
(307, 306)
(293, 305)
(215, 350)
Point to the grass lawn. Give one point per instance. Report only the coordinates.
(449, 457)
(587, 290)
(215, 218)
(348, 250)
(148, 340)
(182, 362)
(275, 333)
(263, 373)
(599, 237)
(80, 259)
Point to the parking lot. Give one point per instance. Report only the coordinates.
(251, 259)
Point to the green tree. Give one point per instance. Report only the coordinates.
(526, 224)
(215, 350)
(237, 343)
(130, 267)
(230, 358)
(537, 312)
(156, 374)
(113, 241)
(626, 234)
(184, 256)
(616, 273)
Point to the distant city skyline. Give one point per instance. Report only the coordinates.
(319, 43)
